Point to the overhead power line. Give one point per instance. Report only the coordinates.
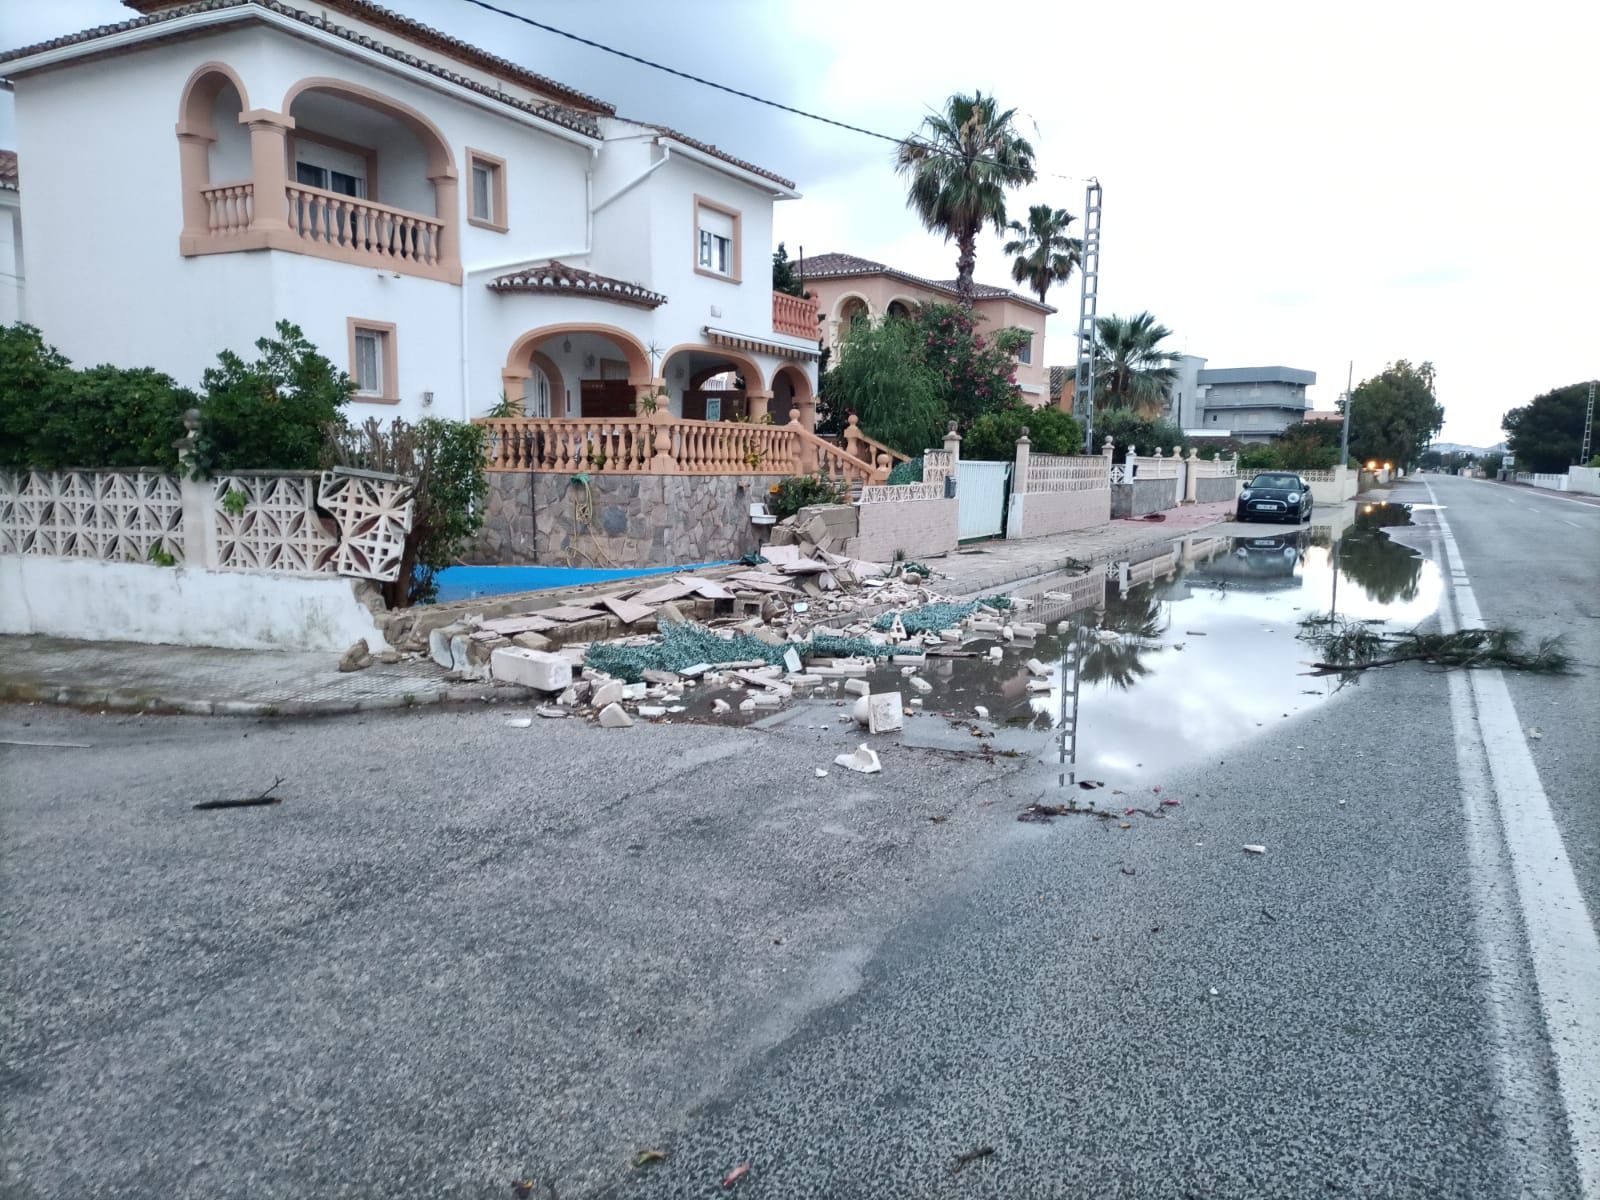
(732, 91)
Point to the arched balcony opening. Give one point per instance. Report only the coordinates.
(339, 172)
(369, 179)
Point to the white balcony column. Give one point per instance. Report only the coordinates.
(269, 166)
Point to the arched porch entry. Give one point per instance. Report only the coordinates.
(577, 370)
(716, 384)
(792, 392)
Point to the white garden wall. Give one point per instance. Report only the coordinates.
(181, 606)
(1584, 479)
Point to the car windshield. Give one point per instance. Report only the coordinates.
(1275, 481)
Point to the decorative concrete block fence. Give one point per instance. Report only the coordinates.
(1053, 493)
(1548, 481)
(251, 559)
(1333, 486)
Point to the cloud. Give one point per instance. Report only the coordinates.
(1290, 184)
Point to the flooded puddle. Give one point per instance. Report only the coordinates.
(1148, 664)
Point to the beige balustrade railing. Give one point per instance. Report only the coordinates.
(364, 230)
(661, 444)
(794, 315)
(858, 445)
(230, 207)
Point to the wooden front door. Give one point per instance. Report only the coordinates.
(606, 397)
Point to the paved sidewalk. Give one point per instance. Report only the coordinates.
(987, 566)
(207, 680)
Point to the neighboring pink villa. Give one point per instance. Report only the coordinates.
(848, 289)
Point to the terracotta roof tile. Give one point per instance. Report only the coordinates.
(559, 114)
(435, 39)
(844, 266)
(558, 277)
(8, 171)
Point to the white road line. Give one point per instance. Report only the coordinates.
(1562, 944)
(1574, 524)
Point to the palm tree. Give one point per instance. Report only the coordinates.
(958, 171)
(1133, 371)
(1044, 254)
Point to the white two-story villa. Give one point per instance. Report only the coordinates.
(449, 226)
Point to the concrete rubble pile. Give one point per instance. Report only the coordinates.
(806, 621)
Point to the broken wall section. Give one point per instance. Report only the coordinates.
(915, 520)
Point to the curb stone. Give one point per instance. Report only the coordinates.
(14, 692)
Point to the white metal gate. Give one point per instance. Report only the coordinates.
(981, 496)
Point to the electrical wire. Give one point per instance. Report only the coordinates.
(743, 95)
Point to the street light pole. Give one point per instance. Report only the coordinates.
(1349, 401)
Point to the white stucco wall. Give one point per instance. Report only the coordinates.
(158, 308)
(181, 606)
(13, 299)
(1584, 479)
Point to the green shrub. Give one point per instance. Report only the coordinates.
(909, 471)
(1258, 458)
(53, 415)
(446, 459)
(898, 398)
(1145, 434)
(993, 436)
(271, 414)
(790, 495)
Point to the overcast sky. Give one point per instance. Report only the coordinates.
(1286, 184)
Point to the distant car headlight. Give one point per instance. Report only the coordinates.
(1294, 497)
(1245, 495)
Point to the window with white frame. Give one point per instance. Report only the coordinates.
(717, 238)
(1025, 351)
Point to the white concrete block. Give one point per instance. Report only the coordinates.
(531, 668)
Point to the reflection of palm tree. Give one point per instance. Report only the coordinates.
(1140, 620)
(1385, 570)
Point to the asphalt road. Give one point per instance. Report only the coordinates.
(462, 954)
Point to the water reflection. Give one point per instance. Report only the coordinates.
(1139, 619)
(1152, 663)
(1386, 570)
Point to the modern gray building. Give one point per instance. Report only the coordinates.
(1252, 404)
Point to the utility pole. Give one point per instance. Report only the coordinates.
(1088, 304)
(1349, 401)
(1588, 427)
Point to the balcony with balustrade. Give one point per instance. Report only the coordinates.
(344, 174)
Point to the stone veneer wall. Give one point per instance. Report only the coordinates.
(633, 520)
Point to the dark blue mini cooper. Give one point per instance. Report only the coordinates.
(1275, 496)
